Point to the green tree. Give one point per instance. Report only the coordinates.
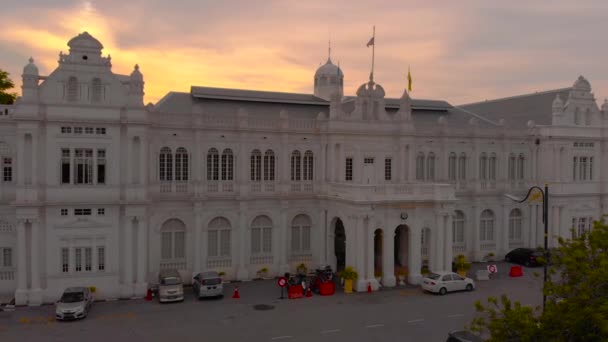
(5, 84)
(577, 292)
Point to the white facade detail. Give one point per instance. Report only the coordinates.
(97, 189)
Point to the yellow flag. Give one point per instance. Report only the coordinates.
(536, 196)
(409, 79)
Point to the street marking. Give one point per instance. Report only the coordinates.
(371, 326)
(330, 331)
(456, 315)
(416, 320)
(281, 337)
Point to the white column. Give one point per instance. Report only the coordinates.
(475, 226)
(21, 292)
(414, 257)
(331, 162)
(128, 257)
(197, 238)
(141, 251)
(35, 293)
(243, 248)
(448, 249)
(504, 236)
(438, 233)
(143, 161)
(283, 246)
(388, 255)
(359, 228)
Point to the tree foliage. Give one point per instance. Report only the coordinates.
(6, 84)
(577, 297)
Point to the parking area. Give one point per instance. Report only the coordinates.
(260, 315)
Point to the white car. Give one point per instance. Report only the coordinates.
(444, 282)
(75, 303)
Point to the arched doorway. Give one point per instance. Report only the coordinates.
(340, 245)
(378, 252)
(173, 245)
(401, 241)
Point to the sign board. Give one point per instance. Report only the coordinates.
(282, 282)
(492, 269)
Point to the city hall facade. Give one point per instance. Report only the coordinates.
(98, 189)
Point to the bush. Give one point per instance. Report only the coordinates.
(349, 273)
(461, 264)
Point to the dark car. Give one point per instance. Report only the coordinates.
(524, 256)
(463, 336)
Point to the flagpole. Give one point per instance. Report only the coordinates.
(371, 76)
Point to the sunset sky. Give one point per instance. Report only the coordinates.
(462, 52)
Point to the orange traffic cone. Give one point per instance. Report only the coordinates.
(236, 293)
(149, 295)
(308, 292)
(369, 287)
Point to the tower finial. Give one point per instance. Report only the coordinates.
(329, 51)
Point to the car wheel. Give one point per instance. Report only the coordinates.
(469, 287)
(443, 291)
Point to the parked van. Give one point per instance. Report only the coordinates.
(208, 284)
(170, 286)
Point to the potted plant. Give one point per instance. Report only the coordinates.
(489, 257)
(425, 270)
(263, 273)
(462, 266)
(222, 274)
(349, 275)
(302, 269)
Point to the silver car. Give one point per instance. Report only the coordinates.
(75, 303)
(208, 284)
(170, 286)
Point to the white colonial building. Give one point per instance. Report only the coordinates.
(99, 190)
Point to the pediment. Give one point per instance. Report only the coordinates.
(81, 223)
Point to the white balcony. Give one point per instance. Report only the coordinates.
(177, 264)
(392, 192)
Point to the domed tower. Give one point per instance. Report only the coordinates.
(85, 50)
(30, 79)
(329, 80)
(136, 87)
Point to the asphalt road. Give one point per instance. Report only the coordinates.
(403, 314)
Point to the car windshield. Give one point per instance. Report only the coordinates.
(72, 297)
(170, 281)
(433, 276)
(212, 281)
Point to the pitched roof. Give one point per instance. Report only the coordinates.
(256, 96)
(518, 110)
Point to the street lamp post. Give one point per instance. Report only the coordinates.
(545, 196)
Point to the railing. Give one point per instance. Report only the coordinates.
(260, 259)
(262, 123)
(256, 187)
(304, 258)
(216, 186)
(7, 275)
(296, 187)
(173, 264)
(301, 124)
(218, 120)
(219, 262)
(170, 186)
(308, 187)
(165, 186)
(269, 187)
(383, 192)
(483, 184)
(181, 186)
(458, 249)
(487, 246)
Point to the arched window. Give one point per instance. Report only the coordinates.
(452, 167)
(308, 166)
(462, 167)
(269, 165)
(300, 234)
(213, 164)
(296, 165)
(256, 165)
(515, 225)
(261, 235)
(173, 240)
(181, 164)
(577, 117)
(218, 238)
(521, 166)
(72, 89)
(7, 169)
(96, 88)
(420, 166)
(512, 166)
(227, 165)
(165, 164)
(483, 167)
(588, 117)
(492, 167)
(430, 167)
(486, 226)
(458, 228)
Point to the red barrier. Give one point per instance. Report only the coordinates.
(327, 289)
(295, 291)
(516, 271)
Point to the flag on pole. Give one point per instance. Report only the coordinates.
(371, 42)
(409, 79)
